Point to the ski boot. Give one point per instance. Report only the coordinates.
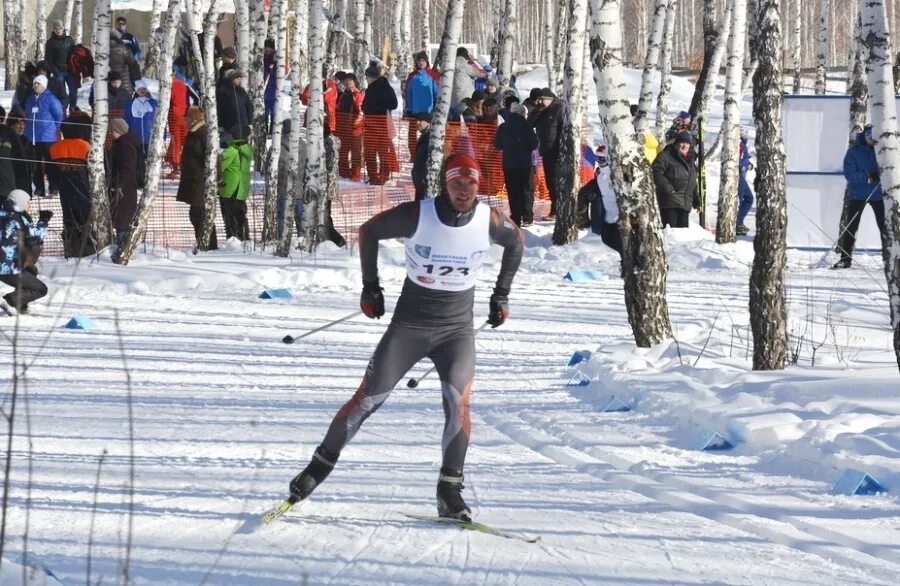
(844, 263)
(449, 500)
(316, 472)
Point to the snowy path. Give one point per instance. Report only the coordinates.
(224, 415)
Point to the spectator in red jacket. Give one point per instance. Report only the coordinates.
(179, 102)
(350, 129)
(330, 97)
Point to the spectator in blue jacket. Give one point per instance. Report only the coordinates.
(20, 245)
(421, 94)
(745, 194)
(44, 115)
(863, 187)
(140, 113)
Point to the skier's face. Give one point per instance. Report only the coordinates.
(462, 191)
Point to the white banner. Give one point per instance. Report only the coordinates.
(814, 210)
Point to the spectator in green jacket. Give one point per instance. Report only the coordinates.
(234, 182)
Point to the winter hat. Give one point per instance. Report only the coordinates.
(547, 93)
(19, 199)
(16, 114)
(684, 115)
(118, 126)
(229, 52)
(684, 136)
(141, 83)
(493, 82)
(233, 74)
(478, 96)
(114, 76)
(77, 125)
(40, 79)
(58, 24)
(462, 166)
(745, 132)
(535, 93)
(373, 70)
(196, 114)
(421, 55)
(517, 108)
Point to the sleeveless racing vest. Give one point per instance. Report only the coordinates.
(444, 257)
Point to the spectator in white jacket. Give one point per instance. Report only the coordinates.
(467, 71)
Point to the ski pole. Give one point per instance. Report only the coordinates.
(291, 339)
(414, 382)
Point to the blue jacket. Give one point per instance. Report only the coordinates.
(17, 230)
(859, 165)
(421, 93)
(138, 123)
(44, 115)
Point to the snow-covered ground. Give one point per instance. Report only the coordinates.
(187, 359)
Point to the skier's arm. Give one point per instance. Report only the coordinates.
(398, 222)
(852, 170)
(509, 236)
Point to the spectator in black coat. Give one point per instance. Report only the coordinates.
(57, 48)
(123, 165)
(192, 183)
(420, 162)
(516, 139)
(548, 122)
(379, 101)
(122, 60)
(15, 171)
(232, 102)
(229, 63)
(675, 175)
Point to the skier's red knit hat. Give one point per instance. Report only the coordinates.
(462, 166)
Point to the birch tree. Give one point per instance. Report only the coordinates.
(101, 219)
(40, 29)
(314, 189)
(295, 174)
(67, 16)
(549, 38)
(752, 45)
(565, 229)
(78, 21)
(796, 46)
(425, 26)
(768, 310)
(279, 23)
(211, 167)
(561, 22)
(497, 31)
(360, 43)
(243, 40)
(337, 34)
(824, 11)
(887, 146)
(712, 80)
(665, 67)
(644, 268)
(400, 58)
(859, 91)
(156, 150)
(151, 57)
(449, 39)
(651, 65)
(711, 38)
(257, 77)
(509, 32)
(13, 37)
(726, 222)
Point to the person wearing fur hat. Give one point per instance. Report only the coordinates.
(422, 90)
(20, 243)
(675, 176)
(44, 117)
(447, 239)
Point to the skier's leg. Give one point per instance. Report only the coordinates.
(848, 240)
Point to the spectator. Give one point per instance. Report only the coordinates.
(329, 99)
(140, 114)
(69, 172)
(492, 89)
(232, 102)
(45, 116)
(179, 102)
(122, 61)
(56, 54)
(271, 78)
(20, 243)
(420, 161)
(15, 172)
(80, 65)
(192, 184)
(124, 158)
(350, 129)
(548, 122)
(599, 198)
(24, 85)
(421, 95)
(117, 97)
(682, 123)
(675, 175)
(745, 194)
(379, 101)
(533, 101)
(517, 140)
(55, 83)
(467, 71)
(863, 187)
(234, 183)
(229, 62)
(128, 39)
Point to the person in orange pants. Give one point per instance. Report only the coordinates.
(179, 102)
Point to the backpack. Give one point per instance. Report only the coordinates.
(81, 59)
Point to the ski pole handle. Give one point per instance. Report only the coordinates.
(291, 339)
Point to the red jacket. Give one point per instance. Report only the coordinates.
(330, 98)
(349, 113)
(178, 100)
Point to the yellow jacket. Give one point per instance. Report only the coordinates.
(651, 146)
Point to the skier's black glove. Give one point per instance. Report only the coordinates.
(499, 308)
(371, 302)
(875, 177)
(45, 215)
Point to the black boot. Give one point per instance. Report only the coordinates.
(449, 498)
(316, 472)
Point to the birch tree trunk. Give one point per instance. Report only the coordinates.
(726, 222)
(710, 43)
(293, 179)
(549, 38)
(40, 29)
(796, 46)
(665, 67)
(425, 27)
(211, 168)
(100, 214)
(278, 23)
(644, 268)
(257, 77)
(824, 10)
(13, 49)
(399, 61)
(360, 44)
(452, 27)
(157, 148)
(561, 22)
(314, 190)
(336, 35)
(67, 16)
(242, 27)
(651, 65)
(887, 146)
(509, 33)
(712, 80)
(565, 230)
(151, 56)
(497, 24)
(752, 44)
(768, 310)
(859, 91)
(78, 21)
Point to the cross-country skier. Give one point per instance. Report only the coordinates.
(447, 239)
